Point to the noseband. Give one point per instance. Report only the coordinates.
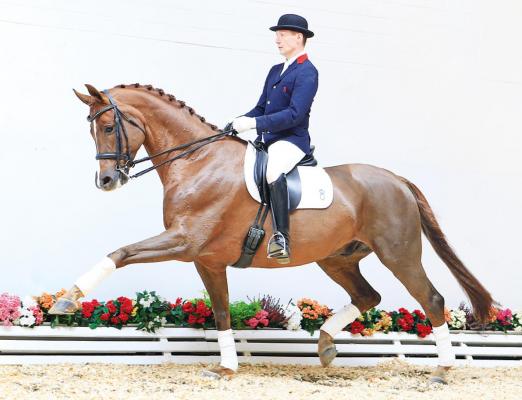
(122, 155)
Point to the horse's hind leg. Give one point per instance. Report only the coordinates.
(400, 251)
(344, 270)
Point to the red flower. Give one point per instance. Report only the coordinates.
(187, 307)
(423, 330)
(105, 316)
(115, 320)
(192, 319)
(356, 327)
(200, 320)
(419, 314)
(405, 324)
(124, 318)
(111, 307)
(176, 304)
(202, 309)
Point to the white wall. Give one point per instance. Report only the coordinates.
(428, 89)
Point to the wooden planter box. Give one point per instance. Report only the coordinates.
(45, 345)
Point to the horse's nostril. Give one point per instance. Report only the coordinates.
(106, 180)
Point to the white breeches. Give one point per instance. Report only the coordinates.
(282, 158)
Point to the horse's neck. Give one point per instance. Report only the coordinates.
(170, 128)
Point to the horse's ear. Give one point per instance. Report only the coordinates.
(97, 95)
(84, 98)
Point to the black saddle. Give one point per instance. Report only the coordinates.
(256, 232)
(293, 180)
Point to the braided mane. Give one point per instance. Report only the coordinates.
(169, 98)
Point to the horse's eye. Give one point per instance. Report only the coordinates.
(108, 129)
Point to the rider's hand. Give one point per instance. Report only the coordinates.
(242, 124)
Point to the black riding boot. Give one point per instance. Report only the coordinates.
(279, 243)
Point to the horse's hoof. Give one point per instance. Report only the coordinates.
(439, 375)
(64, 306)
(327, 355)
(218, 373)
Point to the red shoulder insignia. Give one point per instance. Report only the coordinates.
(301, 59)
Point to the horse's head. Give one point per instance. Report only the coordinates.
(118, 131)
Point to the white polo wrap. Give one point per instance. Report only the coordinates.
(227, 347)
(88, 281)
(340, 319)
(444, 348)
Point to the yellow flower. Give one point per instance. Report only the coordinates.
(134, 311)
(367, 332)
(385, 321)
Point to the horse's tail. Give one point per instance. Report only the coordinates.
(480, 298)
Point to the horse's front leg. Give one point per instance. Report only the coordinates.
(167, 246)
(215, 281)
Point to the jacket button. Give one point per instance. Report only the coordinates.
(273, 87)
(268, 102)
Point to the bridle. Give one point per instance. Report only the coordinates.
(122, 154)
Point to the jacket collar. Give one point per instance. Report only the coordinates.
(299, 60)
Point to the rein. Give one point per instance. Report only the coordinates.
(123, 158)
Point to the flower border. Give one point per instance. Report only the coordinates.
(149, 311)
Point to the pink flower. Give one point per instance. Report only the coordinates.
(9, 309)
(505, 316)
(252, 322)
(38, 315)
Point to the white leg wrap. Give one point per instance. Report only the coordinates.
(227, 347)
(444, 348)
(340, 319)
(88, 281)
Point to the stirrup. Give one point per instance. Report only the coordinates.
(275, 250)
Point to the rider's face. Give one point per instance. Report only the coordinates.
(288, 42)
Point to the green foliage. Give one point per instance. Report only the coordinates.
(241, 311)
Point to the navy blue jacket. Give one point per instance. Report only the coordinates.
(283, 110)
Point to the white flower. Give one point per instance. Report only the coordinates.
(294, 318)
(518, 316)
(27, 317)
(458, 319)
(146, 302)
(518, 328)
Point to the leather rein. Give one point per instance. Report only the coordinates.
(122, 154)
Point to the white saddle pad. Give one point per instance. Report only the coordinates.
(316, 185)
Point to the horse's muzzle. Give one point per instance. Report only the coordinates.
(110, 180)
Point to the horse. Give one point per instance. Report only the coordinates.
(207, 210)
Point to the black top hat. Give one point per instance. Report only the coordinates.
(293, 22)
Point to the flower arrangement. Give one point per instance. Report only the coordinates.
(371, 321)
(148, 311)
(313, 314)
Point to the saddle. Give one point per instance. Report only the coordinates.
(293, 180)
(256, 232)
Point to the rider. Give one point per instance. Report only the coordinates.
(281, 119)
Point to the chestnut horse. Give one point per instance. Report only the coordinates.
(208, 210)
